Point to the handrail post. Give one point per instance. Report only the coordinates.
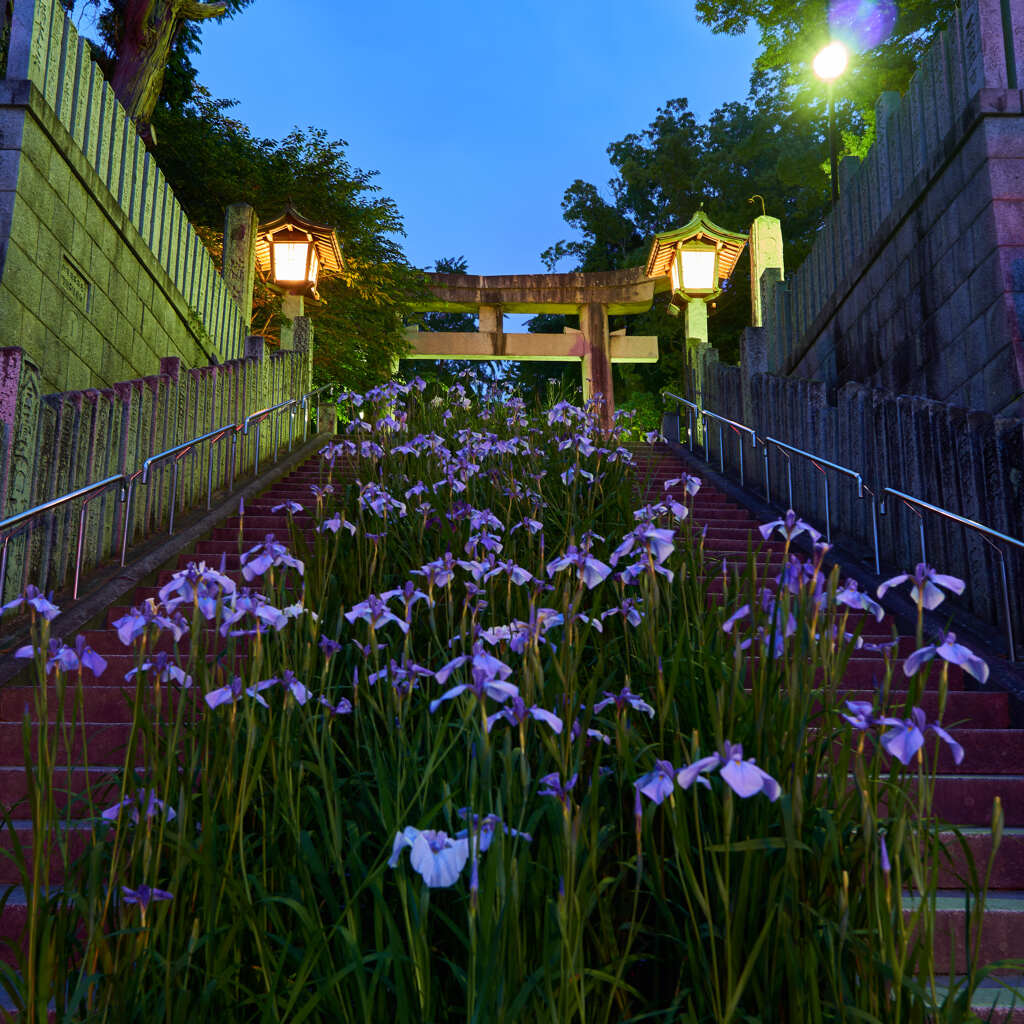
(874, 534)
(127, 520)
(291, 427)
(789, 479)
(256, 463)
(3, 564)
(721, 450)
(767, 475)
(234, 457)
(174, 495)
(209, 480)
(78, 546)
(742, 480)
(828, 521)
(1006, 606)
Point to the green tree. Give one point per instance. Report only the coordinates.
(664, 173)
(886, 41)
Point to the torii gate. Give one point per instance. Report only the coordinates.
(591, 295)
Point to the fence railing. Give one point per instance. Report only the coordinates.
(986, 532)
(24, 522)
(876, 497)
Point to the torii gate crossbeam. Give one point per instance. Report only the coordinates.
(593, 296)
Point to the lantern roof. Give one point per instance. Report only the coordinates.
(324, 238)
(700, 228)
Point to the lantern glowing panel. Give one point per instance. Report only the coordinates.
(290, 259)
(695, 270)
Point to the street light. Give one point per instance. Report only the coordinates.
(828, 64)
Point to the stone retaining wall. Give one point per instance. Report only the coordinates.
(101, 273)
(64, 441)
(915, 282)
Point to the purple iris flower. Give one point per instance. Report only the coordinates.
(67, 659)
(862, 714)
(625, 698)
(532, 525)
(143, 801)
(489, 678)
(129, 627)
(403, 676)
(409, 595)
(949, 650)
(743, 777)
(516, 712)
(925, 585)
(270, 553)
(197, 583)
(552, 785)
(375, 611)
(291, 508)
(438, 573)
(343, 707)
(144, 895)
(906, 737)
(249, 602)
(884, 855)
(232, 692)
(656, 785)
(336, 523)
(852, 597)
(162, 664)
(483, 828)
(591, 571)
(789, 526)
(516, 573)
(328, 646)
(438, 857)
(36, 600)
(654, 542)
(629, 609)
(692, 484)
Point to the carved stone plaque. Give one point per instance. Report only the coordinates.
(75, 284)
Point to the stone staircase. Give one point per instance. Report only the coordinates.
(993, 763)
(107, 700)
(992, 767)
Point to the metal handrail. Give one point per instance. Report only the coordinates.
(259, 417)
(305, 406)
(178, 452)
(819, 463)
(735, 425)
(986, 532)
(787, 449)
(10, 527)
(87, 493)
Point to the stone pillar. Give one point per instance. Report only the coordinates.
(597, 357)
(303, 341)
(491, 320)
(292, 307)
(767, 265)
(753, 360)
(239, 264)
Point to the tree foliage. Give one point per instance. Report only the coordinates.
(886, 41)
(662, 176)
(212, 160)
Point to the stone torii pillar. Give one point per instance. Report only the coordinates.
(593, 296)
(597, 356)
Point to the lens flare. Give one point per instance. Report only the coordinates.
(863, 23)
(830, 62)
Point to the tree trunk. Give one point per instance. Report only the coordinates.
(149, 30)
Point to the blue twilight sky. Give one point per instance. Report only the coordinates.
(477, 115)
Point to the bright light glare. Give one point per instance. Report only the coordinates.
(698, 270)
(831, 62)
(290, 261)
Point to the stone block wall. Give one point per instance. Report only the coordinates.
(101, 273)
(969, 462)
(52, 444)
(915, 282)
